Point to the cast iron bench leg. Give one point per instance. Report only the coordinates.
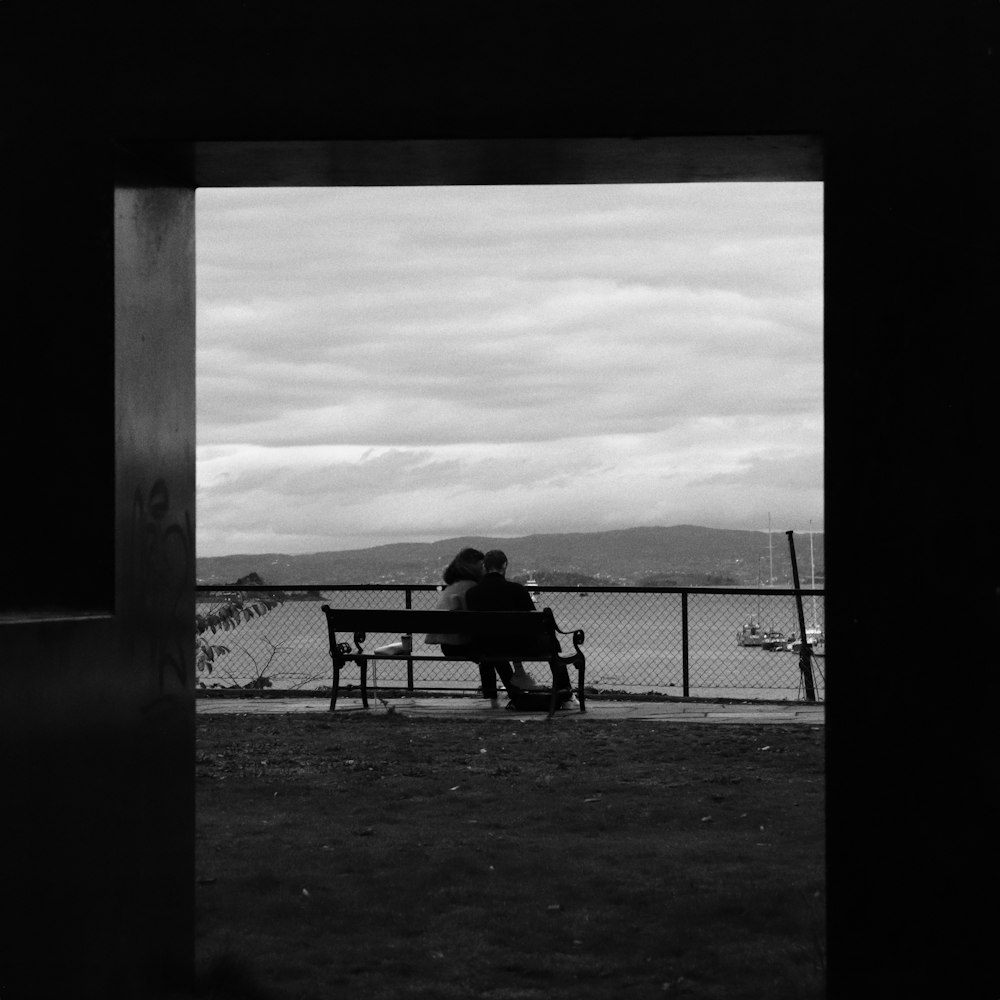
(363, 663)
(553, 701)
(336, 687)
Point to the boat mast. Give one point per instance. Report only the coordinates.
(770, 553)
(770, 563)
(812, 570)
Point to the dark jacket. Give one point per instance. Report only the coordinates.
(496, 593)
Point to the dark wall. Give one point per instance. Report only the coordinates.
(96, 664)
(97, 712)
(433, 70)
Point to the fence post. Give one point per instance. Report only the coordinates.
(409, 661)
(686, 679)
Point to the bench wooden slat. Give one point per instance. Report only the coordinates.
(408, 620)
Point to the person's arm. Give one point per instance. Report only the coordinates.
(452, 598)
(448, 600)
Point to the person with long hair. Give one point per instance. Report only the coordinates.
(460, 575)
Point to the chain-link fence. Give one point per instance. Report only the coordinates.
(691, 642)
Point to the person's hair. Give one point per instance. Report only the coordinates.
(467, 565)
(494, 560)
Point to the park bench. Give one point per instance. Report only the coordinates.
(521, 630)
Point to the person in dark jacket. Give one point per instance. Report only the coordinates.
(495, 592)
(461, 574)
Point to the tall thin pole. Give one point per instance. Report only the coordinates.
(805, 661)
(812, 570)
(770, 553)
(685, 661)
(770, 561)
(409, 662)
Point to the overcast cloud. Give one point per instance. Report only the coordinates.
(392, 364)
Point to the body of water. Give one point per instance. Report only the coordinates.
(633, 643)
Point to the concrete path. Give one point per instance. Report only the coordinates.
(468, 707)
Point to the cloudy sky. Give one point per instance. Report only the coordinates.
(390, 364)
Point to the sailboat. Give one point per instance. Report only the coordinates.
(752, 633)
(818, 640)
(773, 638)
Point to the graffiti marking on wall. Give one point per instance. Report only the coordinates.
(162, 572)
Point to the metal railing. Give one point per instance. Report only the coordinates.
(684, 641)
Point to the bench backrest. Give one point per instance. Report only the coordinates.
(512, 624)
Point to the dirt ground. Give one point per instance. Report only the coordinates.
(382, 856)
(286, 746)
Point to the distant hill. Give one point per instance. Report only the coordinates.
(683, 555)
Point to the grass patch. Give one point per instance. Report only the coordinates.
(377, 856)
